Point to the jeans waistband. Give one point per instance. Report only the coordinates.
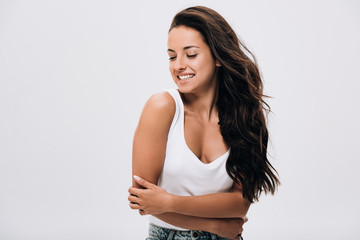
(160, 233)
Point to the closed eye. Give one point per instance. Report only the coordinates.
(171, 58)
(192, 56)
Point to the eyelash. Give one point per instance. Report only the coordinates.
(189, 56)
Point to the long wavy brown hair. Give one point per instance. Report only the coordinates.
(240, 102)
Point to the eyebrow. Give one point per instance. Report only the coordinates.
(185, 48)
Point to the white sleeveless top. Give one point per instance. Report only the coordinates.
(183, 173)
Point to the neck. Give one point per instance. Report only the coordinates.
(202, 103)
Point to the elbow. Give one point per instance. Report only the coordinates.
(245, 208)
(242, 206)
(241, 211)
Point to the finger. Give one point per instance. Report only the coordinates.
(133, 199)
(143, 182)
(143, 212)
(134, 206)
(135, 191)
(238, 236)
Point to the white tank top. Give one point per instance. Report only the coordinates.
(183, 173)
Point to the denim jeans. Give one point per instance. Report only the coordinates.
(159, 233)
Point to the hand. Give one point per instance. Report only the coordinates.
(152, 200)
(230, 228)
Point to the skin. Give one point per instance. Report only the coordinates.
(219, 213)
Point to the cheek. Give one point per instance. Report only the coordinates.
(205, 62)
(205, 67)
(172, 71)
(171, 68)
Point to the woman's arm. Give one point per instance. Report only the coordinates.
(150, 138)
(221, 205)
(225, 227)
(149, 147)
(154, 200)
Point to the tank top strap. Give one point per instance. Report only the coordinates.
(179, 109)
(176, 95)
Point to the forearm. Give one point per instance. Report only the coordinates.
(225, 227)
(155, 200)
(189, 222)
(216, 205)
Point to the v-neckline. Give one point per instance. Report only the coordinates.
(183, 134)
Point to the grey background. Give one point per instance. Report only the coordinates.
(74, 76)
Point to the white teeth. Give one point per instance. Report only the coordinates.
(186, 77)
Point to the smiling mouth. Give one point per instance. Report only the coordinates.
(186, 77)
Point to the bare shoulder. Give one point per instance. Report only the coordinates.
(161, 101)
(159, 107)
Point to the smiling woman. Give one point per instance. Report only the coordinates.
(200, 151)
(192, 65)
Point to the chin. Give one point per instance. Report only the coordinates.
(184, 89)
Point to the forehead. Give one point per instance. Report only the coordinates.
(182, 36)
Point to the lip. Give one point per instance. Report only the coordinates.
(185, 81)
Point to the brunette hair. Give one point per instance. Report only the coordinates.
(240, 102)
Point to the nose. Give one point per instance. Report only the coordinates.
(180, 63)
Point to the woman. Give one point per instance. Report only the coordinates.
(200, 151)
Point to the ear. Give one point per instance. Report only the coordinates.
(217, 63)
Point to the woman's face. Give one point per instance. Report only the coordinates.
(191, 64)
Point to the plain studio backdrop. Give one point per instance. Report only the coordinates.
(74, 76)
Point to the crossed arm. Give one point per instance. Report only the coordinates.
(155, 200)
(220, 213)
